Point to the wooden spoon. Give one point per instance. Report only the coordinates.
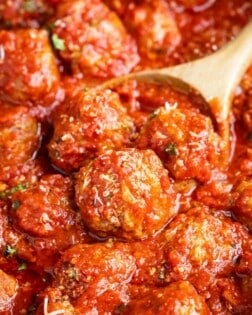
(215, 77)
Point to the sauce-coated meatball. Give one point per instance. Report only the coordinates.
(88, 125)
(201, 245)
(126, 193)
(154, 28)
(19, 139)
(45, 212)
(184, 140)
(28, 68)
(93, 268)
(93, 39)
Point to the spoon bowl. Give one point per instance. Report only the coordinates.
(215, 77)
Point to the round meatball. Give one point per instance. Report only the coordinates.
(184, 139)
(93, 39)
(45, 212)
(176, 299)
(243, 203)
(125, 193)
(29, 73)
(45, 208)
(19, 139)
(154, 28)
(200, 246)
(88, 125)
(93, 269)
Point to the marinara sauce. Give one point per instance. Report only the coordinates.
(119, 201)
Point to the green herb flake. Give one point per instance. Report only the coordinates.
(29, 6)
(58, 43)
(19, 187)
(22, 266)
(171, 149)
(154, 114)
(161, 275)
(3, 194)
(72, 273)
(15, 205)
(6, 193)
(10, 251)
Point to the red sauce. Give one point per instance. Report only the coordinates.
(119, 202)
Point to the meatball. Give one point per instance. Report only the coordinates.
(93, 269)
(154, 28)
(89, 124)
(29, 73)
(201, 245)
(184, 140)
(92, 38)
(45, 212)
(8, 291)
(45, 209)
(176, 299)
(243, 203)
(125, 193)
(19, 139)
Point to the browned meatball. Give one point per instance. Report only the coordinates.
(243, 203)
(176, 299)
(93, 39)
(184, 140)
(19, 140)
(154, 28)
(45, 212)
(126, 193)
(29, 73)
(89, 124)
(46, 208)
(93, 269)
(201, 246)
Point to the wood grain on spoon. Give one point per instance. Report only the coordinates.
(215, 77)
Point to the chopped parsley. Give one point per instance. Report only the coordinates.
(58, 43)
(22, 266)
(29, 6)
(6, 193)
(15, 205)
(171, 149)
(10, 251)
(154, 114)
(161, 275)
(72, 273)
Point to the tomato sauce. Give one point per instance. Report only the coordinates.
(119, 201)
